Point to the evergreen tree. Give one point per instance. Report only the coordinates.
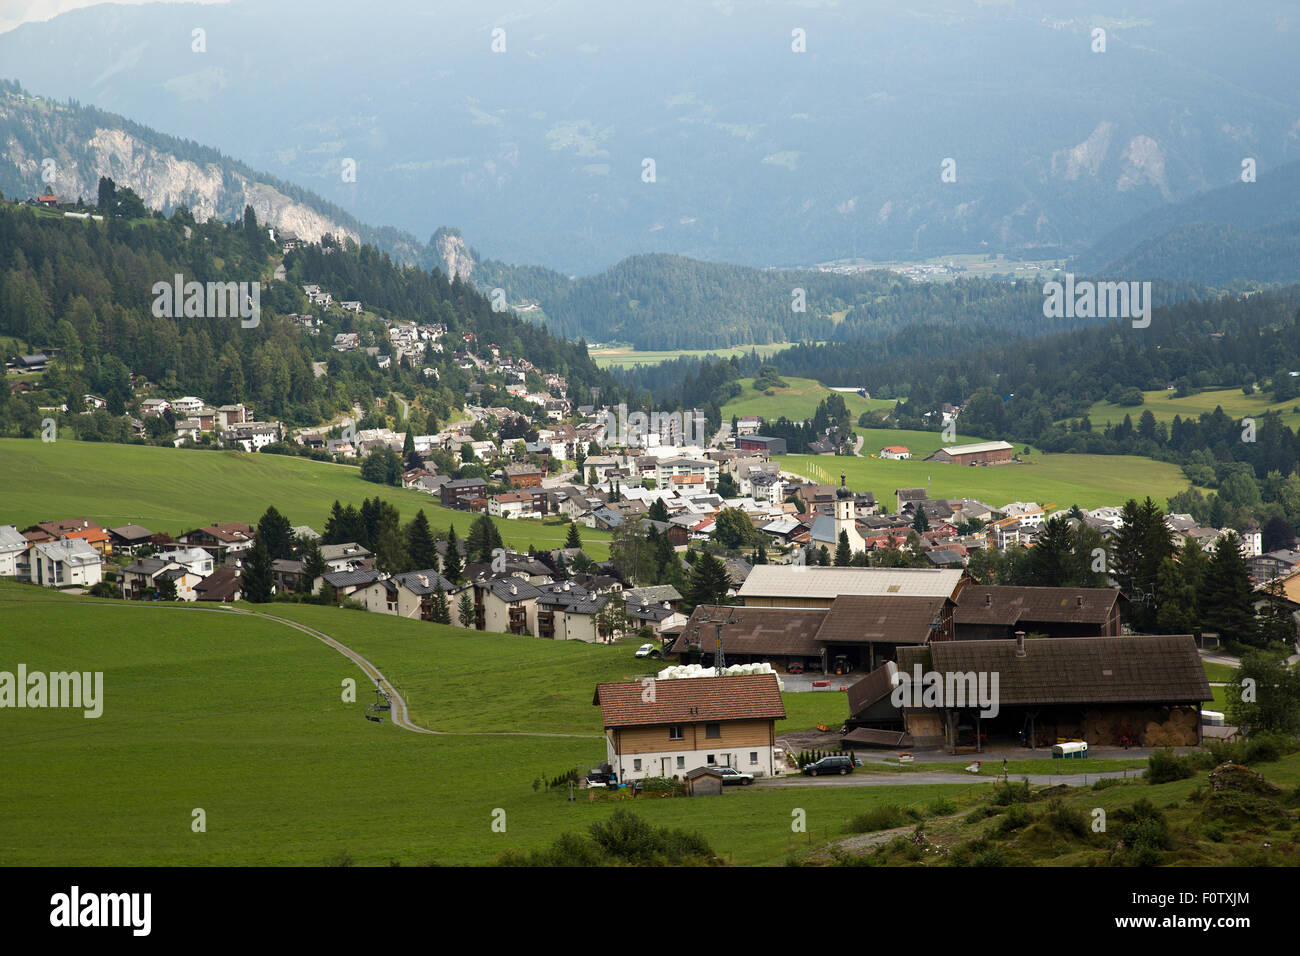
(824, 556)
(708, 582)
(1276, 623)
(166, 588)
(257, 583)
(843, 552)
(658, 511)
(441, 612)
(274, 529)
(465, 609)
(920, 522)
(420, 544)
(760, 556)
(313, 566)
(1228, 598)
(1051, 560)
(452, 566)
(573, 539)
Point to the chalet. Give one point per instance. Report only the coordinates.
(506, 605)
(980, 453)
(523, 476)
(346, 583)
(570, 612)
(130, 538)
(221, 540)
(143, 580)
(689, 723)
(994, 612)
(410, 595)
(348, 556)
(287, 575)
(82, 529)
(510, 504)
(222, 585)
(1139, 690)
(31, 363)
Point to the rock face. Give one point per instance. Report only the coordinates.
(46, 146)
(453, 255)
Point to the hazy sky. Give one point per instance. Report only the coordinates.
(14, 13)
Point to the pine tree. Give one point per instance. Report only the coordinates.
(465, 609)
(708, 582)
(920, 522)
(441, 612)
(843, 553)
(257, 582)
(573, 539)
(658, 511)
(313, 566)
(275, 530)
(824, 556)
(452, 567)
(420, 545)
(760, 556)
(1228, 598)
(167, 589)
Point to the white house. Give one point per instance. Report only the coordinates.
(68, 562)
(12, 548)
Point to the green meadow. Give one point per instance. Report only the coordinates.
(627, 357)
(797, 401)
(175, 490)
(1089, 481)
(1164, 406)
(243, 718)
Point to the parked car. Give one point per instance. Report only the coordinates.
(602, 776)
(645, 650)
(730, 775)
(840, 765)
(795, 668)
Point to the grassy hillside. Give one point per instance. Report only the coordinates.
(1164, 406)
(175, 490)
(627, 357)
(1089, 481)
(796, 402)
(243, 718)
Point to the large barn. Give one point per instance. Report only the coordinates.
(981, 453)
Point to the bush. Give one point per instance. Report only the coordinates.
(1005, 794)
(1016, 818)
(941, 808)
(878, 818)
(993, 856)
(1164, 767)
(1066, 820)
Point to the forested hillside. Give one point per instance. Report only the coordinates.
(82, 290)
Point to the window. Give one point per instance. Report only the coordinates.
(636, 765)
(713, 730)
(675, 732)
(753, 756)
(681, 762)
(711, 760)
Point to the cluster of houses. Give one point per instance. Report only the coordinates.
(1067, 669)
(233, 426)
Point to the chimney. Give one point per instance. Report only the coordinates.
(1020, 643)
(1079, 601)
(988, 600)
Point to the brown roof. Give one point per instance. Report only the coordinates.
(1141, 668)
(858, 618)
(1007, 606)
(780, 631)
(869, 737)
(879, 683)
(689, 700)
(221, 585)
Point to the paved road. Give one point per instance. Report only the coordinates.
(928, 777)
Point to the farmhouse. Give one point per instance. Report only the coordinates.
(981, 453)
(1143, 690)
(524, 476)
(689, 723)
(773, 585)
(896, 452)
(992, 612)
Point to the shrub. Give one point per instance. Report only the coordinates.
(941, 808)
(993, 856)
(1164, 767)
(878, 818)
(1214, 832)
(1065, 820)
(1016, 818)
(1005, 794)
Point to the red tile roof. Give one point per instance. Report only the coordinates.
(690, 700)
